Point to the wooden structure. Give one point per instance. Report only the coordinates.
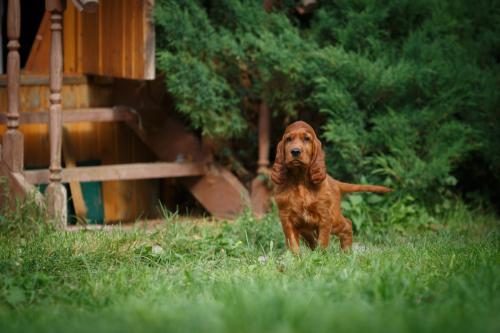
(85, 47)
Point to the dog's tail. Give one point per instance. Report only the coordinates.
(349, 188)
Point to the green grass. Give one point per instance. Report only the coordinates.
(237, 277)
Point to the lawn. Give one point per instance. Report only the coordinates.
(237, 277)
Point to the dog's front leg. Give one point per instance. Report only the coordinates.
(291, 238)
(324, 236)
(345, 235)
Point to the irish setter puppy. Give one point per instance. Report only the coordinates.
(308, 199)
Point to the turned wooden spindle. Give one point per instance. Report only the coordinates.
(56, 192)
(261, 191)
(13, 140)
(264, 130)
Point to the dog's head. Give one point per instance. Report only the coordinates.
(299, 149)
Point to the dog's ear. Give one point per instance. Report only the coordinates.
(278, 174)
(317, 169)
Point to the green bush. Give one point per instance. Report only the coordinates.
(403, 92)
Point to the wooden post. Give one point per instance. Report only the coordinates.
(261, 191)
(13, 140)
(56, 192)
(1, 37)
(264, 130)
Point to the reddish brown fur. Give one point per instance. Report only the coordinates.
(308, 199)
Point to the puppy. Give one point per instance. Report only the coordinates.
(308, 199)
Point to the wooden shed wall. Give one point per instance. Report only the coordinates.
(118, 40)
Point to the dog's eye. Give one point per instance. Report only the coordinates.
(289, 139)
(307, 139)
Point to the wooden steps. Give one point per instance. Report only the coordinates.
(180, 151)
(218, 190)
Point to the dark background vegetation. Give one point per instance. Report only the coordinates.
(403, 93)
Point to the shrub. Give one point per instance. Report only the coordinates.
(403, 92)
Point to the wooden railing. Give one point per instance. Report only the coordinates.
(201, 180)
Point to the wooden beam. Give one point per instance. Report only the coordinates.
(75, 187)
(39, 80)
(120, 172)
(264, 134)
(19, 186)
(39, 54)
(1, 35)
(94, 115)
(261, 191)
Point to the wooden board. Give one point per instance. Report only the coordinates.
(17, 185)
(38, 59)
(119, 172)
(75, 188)
(118, 40)
(94, 115)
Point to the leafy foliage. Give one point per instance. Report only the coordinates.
(404, 92)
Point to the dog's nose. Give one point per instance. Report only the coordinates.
(295, 152)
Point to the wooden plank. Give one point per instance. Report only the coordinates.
(232, 197)
(119, 40)
(149, 42)
(38, 59)
(120, 172)
(96, 115)
(91, 41)
(127, 28)
(70, 39)
(43, 80)
(76, 189)
(137, 11)
(19, 186)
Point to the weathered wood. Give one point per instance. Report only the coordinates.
(264, 132)
(130, 171)
(1, 37)
(13, 141)
(38, 58)
(261, 190)
(106, 47)
(220, 192)
(18, 187)
(56, 192)
(75, 187)
(88, 6)
(94, 115)
(39, 79)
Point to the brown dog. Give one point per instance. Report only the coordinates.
(308, 199)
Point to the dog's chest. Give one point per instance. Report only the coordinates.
(305, 205)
